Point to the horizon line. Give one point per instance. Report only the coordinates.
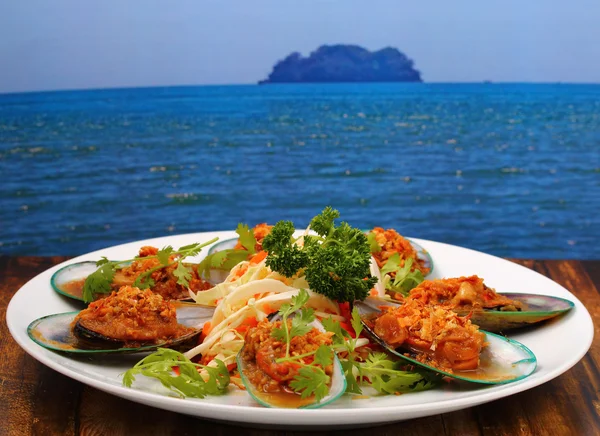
(215, 85)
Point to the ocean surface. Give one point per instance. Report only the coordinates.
(511, 170)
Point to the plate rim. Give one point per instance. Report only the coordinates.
(294, 417)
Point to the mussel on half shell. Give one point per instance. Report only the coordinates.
(290, 399)
(537, 308)
(218, 276)
(57, 332)
(69, 280)
(502, 360)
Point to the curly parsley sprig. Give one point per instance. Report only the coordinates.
(336, 262)
(99, 282)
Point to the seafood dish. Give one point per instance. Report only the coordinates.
(438, 339)
(270, 378)
(387, 243)
(128, 320)
(162, 271)
(297, 319)
(485, 307)
(402, 264)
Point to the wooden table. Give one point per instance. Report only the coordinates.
(37, 400)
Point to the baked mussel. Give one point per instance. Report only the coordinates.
(272, 379)
(130, 320)
(147, 268)
(442, 341)
(388, 245)
(228, 252)
(486, 308)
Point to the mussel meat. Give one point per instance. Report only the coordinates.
(489, 310)
(439, 340)
(129, 321)
(390, 242)
(268, 381)
(69, 281)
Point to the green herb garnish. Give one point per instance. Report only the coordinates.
(386, 376)
(336, 263)
(374, 246)
(345, 343)
(99, 282)
(227, 259)
(378, 370)
(311, 378)
(189, 383)
(299, 323)
(404, 279)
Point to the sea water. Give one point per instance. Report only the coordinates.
(512, 170)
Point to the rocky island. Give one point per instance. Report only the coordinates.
(345, 63)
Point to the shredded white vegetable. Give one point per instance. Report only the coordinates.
(379, 286)
(256, 292)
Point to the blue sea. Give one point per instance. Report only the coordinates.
(512, 170)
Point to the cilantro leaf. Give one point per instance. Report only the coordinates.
(300, 322)
(374, 246)
(226, 259)
(392, 264)
(189, 382)
(402, 279)
(99, 281)
(164, 255)
(279, 333)
(103, 260)
(247, 238)
(356, 322)
(193, 249)
(348, 367)
(339, 334)
(386, 377)
(223, 260)
(128, 378)
(183, 274)
(144, 281)
(285, 309)
(323, 356)
(297, 302)
(311, 380)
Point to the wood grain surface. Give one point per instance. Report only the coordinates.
(37, 400)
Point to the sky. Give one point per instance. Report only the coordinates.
(74, 44)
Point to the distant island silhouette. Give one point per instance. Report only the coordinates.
(345, 63)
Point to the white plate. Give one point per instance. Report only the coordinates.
(552, 343)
